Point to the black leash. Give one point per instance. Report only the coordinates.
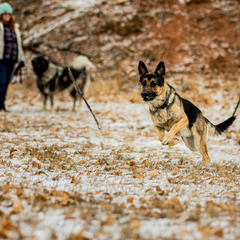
(236, 107)
(81, 94)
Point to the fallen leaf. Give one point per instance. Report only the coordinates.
(152, 174)
(135, 224)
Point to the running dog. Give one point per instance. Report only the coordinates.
(52, 79)
(176, 115)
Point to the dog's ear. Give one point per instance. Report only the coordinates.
(160, 69)
(142, 69)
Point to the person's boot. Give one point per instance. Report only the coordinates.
(2, 107)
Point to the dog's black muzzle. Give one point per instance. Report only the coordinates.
(147, 95)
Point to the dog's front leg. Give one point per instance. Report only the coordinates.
(168, 138)
(44, 101)
(52, 103)
(160, 132)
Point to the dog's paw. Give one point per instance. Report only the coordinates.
(206, 160)
(166, 140)
(174, 142)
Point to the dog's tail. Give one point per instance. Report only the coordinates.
(81, 62)
(216, 130)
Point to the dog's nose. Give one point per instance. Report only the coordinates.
(144, 94)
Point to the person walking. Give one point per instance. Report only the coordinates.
(11, 51)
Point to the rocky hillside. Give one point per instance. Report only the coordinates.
(197, 40)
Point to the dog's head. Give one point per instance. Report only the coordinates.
(40, 65)
(152, 83)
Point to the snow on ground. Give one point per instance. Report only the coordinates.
(62, 178)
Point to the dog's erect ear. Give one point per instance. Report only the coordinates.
(142, 69)
(160, 69)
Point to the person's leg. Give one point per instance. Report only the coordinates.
(10, 67)
(3, 84)
(6, 70)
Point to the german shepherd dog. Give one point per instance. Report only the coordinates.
(176, 115)
(52, 79)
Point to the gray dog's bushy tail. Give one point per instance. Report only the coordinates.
(216, 130)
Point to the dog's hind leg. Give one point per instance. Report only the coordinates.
(200, 139)
(52, 103)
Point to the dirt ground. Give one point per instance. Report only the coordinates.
(62, 178)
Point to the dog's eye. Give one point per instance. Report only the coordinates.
(153, 84)
(144, 83)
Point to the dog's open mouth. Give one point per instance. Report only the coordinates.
(148, 98)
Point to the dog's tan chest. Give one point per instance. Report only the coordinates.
(161, 118)
(166, 119)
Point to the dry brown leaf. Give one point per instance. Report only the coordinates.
(171, 213)
(152, 174)
(8, 225)
(3, 234)
(37, 165)
(173, 203)
(2, 162)
(80, 162)
(17, 206)
(135, 224)
(205, 230)
(97, 192)
(79, 236)
(223, 206)
(213, 209)
(132, 163)
(75, 181)
(130, 200)
(146, 163)
(141, 170)
(40, 197)
(6, 188)
(183, 232)
(109, 220)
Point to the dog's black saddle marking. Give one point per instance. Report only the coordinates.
(191, 111)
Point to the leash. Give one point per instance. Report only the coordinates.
(81, 94)
(236, 107)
